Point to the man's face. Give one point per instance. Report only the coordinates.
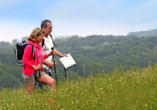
(48, 29)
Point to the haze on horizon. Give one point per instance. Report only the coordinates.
(76, 17)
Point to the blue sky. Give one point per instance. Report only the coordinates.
(76, 17)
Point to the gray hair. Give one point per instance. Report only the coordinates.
(44, 23)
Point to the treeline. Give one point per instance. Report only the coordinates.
(106, 52)
(144, 33)
(93, 54)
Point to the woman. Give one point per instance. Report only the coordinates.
(31, 65)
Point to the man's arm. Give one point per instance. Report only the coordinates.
(58, 53)
(49, 64)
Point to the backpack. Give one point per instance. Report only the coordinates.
(19, 51)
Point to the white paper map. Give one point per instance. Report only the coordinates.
(67, 61)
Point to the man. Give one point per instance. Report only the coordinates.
(47, 43)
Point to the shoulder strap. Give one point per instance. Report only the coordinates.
(43, 42)
(33, 50)
(53, 41)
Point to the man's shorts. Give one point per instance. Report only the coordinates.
(48, 72)
(30, 80)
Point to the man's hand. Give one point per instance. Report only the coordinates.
(51, 64)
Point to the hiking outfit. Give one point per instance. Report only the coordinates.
(38, 57)
(48, 44)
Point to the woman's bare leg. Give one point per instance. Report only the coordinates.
(29, 88)
(47, 80)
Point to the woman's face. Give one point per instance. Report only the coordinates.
(40, 38)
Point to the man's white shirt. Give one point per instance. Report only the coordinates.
(47, 49)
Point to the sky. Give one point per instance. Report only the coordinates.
(76, 17)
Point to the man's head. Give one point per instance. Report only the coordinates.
(47, 27)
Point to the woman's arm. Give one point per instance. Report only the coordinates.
(27, 55)
(46, 56)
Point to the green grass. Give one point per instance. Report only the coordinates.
(132, 90)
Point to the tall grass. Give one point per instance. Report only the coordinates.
(132, 90)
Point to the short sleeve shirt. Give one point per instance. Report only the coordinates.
(47, 49)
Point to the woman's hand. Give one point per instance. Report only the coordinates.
(52, 52)
(36, 67)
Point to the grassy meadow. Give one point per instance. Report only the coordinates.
(130, 90)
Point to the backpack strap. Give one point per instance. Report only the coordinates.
(43, 41)
(53, 41)
(33, 51)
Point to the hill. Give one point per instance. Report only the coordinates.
(131, 90)
(93, 54)
(144, 33)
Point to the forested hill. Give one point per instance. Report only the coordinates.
(93, 54)
(149, 33)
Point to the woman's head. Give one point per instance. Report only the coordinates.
(37, 35)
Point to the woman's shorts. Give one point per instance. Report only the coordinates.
(30, 80)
